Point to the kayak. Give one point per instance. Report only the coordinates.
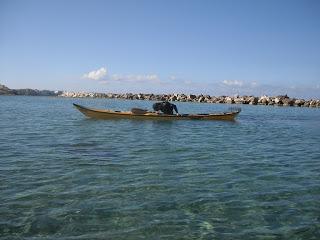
(144, 114)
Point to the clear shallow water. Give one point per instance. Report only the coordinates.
(63, 176)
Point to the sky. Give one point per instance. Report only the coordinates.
(216, 47)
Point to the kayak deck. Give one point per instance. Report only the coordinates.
(110, 114)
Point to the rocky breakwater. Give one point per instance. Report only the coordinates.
(263, 100)
(83, 95)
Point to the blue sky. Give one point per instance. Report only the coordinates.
(213, 47)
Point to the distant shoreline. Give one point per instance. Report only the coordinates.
(282, 100)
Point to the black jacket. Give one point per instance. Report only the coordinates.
(165, 107)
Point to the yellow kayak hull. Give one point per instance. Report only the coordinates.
(110, 114)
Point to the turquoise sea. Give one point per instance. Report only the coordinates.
(63, 176)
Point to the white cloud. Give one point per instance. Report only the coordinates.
(254, 84)
(97, 74)
(103, 82)
(103, 77)
(173, 77)
(135, 78)
(233, 83)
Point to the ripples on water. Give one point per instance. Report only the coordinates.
(63, 176)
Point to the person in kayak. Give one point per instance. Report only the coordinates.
(165, 107)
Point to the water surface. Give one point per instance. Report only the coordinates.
(63, 176)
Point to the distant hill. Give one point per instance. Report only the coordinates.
(4, 90)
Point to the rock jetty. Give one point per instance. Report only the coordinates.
(282, 100)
